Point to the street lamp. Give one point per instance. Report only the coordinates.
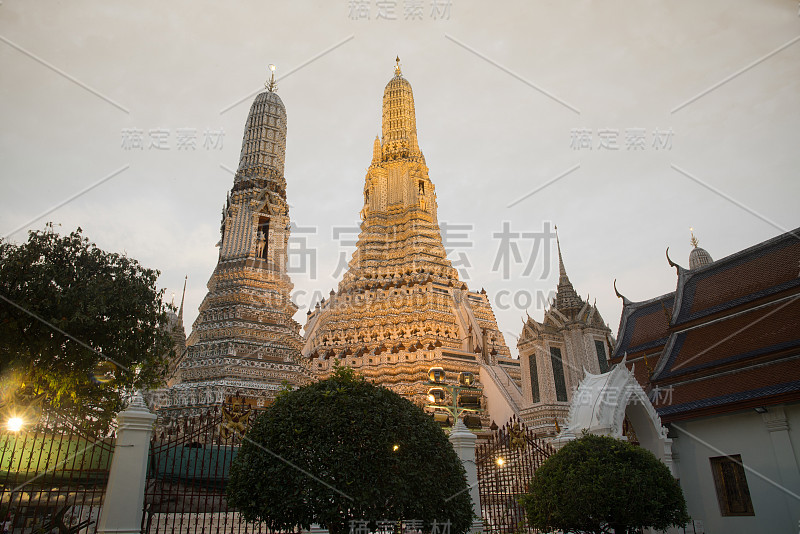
(436, 393)
(20, 408)
(436, 375)
(466, 378)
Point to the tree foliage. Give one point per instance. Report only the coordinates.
(599, 484)
(344, 449)
(108, 306)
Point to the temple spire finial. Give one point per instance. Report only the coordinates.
(271, 85)
(397, 67)
(183, 297)
(566, 296)
(698, 257)
(561, 270)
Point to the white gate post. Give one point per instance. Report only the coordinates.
(464, 444)
(124, 497)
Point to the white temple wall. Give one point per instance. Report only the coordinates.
(770, 453)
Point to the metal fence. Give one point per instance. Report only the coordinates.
(188, 469)
(506, 464)
(53, 475)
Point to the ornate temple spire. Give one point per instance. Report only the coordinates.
(562, 272)
(400, 306)
(250, 227)
(245, 340)
(264, 140)
(567, 298)
(399, 129)
(401, 232)
(376, 151)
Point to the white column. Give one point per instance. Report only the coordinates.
(464, 444)
(124, 498)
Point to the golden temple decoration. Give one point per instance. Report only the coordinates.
(234, 420)
(517, 437)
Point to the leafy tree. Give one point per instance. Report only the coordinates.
(599, 484)
(344, 449)
(79, 327)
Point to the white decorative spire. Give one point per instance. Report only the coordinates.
(566, 296)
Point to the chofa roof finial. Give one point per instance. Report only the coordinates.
(619, 295)
(678, 268)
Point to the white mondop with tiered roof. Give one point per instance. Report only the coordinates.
(555, 354)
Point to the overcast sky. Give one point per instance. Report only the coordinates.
(520, 105)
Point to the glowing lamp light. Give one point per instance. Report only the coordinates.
(500, 461)
(466, 378)
(435, 395)
(15, 424)
(436, 374)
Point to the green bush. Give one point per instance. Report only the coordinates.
(343, 449)
(599, 484)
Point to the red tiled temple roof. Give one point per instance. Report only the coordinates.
(759, 332)
(643, 327)
(733, 340)
(722, 392)
(757, 272)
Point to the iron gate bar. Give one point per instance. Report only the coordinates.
(53, 474)
(187, 472)
(501, 485)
